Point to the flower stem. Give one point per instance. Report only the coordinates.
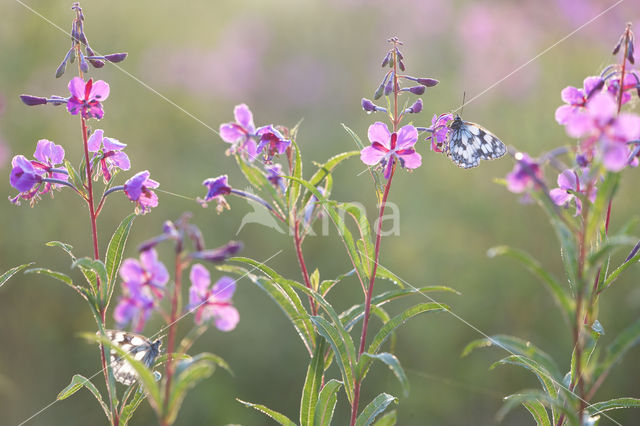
(303, 266)
(368, 296)
(175, 302)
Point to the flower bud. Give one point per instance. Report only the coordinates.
(417, 90)
(84, 66)
(416, 107)
(368, 106)
(116, 57)
(33, 100)
(219, 254)
(388, 88)
(63, 65)
(428, 82)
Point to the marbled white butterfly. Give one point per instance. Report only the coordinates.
(469, 143)
(136, 345)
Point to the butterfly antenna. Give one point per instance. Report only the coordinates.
(464, 96)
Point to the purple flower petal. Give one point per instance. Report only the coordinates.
(379, 132)
(627, 127)
(120, 160)
(244, 117)
(371, 156)
(132, 271)
(150, 262)
(227, 317)
(407, 137)
(615, 155)
(568, 180)
(76, 87)
(23, 175)
(591, 83)
(564, 113)
(99, 91)
(111, 144)
(223, 289)
(49, 153)
(602, 107)
(572, 95)
(560, 196)
(412, 160)
(95, 140)
(231, 132)
(133, 187)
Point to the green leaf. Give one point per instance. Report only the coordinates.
(53, 274)
(614, 275)
(11, 272)
(374, 408)
(613, 404)
(621, 344)
(315, 279)
(132, 406)
(400, 319)
(327, 168)
(383, 272)
(66, 247)
(548, 383)
(279, 289)
(327, 285)
(388, 419)
(394, 364)
(145, 375)
(312, 384)
(293, 190)
(326, 403)
(538, 412)
(188, 373)
(258, 180)
(606, 190)
(77, 382)
(75, 178)
(559, 294)
(516, 346)
(114, 253)
(280, 418)
(343, 350)
(608, 247)
(536, 397)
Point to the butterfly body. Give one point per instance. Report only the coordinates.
(469, 143)
(136, 345)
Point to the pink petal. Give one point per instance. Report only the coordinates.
(223, 289)
(131, 270)
(378, 132)
(579, 124)
(371, 156)
(560, 196)
(627, 127)
(602, 107)
(111, 144)
(590, 83)
(74, 105)
(407, 137)
(200, 278)
(231, 132)
(412, 161)
(615, 155)
(568, 180)
(572, 95)
(564, 113)
(95, 140)
(244, 117)
(227, 317)
(76, 87)
(99, 90)
(120, 160)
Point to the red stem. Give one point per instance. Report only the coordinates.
(172, 334)
(303, 266)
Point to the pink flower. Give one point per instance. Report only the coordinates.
(110, 152)
(240, 133)
(212, 303)
(576, 99)
(86, 97)
(139, 189)
(570, 185)
(386, 147)
(439, 131)
(525, 174)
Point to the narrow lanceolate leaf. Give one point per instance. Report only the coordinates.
(621, 344)
(326, 403)
(132, 406)
(538, 412)
(66, 247)
(280, 418)
(114, 252)
(11, 272)
(327, 285)
(312, 384)
(57, 276)
(613, 404)
(620, 269)
(535, 397)
(293, 189)
(375, 407)
(77, 382)
(606, 190)
(341, 351)
(549, 384)
(258, 180)
(388, 419)
(558, 292)
(516, 346)
(188, 373)
(75, 178)
(394, 364)
(280, 290)
(326, 168)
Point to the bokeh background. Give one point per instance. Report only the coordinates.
(311, 60)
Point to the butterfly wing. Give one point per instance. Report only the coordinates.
(136, 345)
(469, 143)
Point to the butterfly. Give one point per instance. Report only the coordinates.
(469, 143)
(136, 345)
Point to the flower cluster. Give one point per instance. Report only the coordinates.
(212, 303)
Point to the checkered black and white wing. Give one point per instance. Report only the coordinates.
(138, 346)
(469, 143)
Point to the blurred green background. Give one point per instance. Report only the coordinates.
(313, 60)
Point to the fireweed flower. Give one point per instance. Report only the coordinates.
(386, 147)
(217, 189)
(272, 142)
(631, 81)
(569, 185)
(86, 97)
(143, 283)
(139, 189)
(240, 133)
(525, 174)
(110, 152)
(212, 303)
(28, 176)
(576, 99)
(439, 132)
(606, 133)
